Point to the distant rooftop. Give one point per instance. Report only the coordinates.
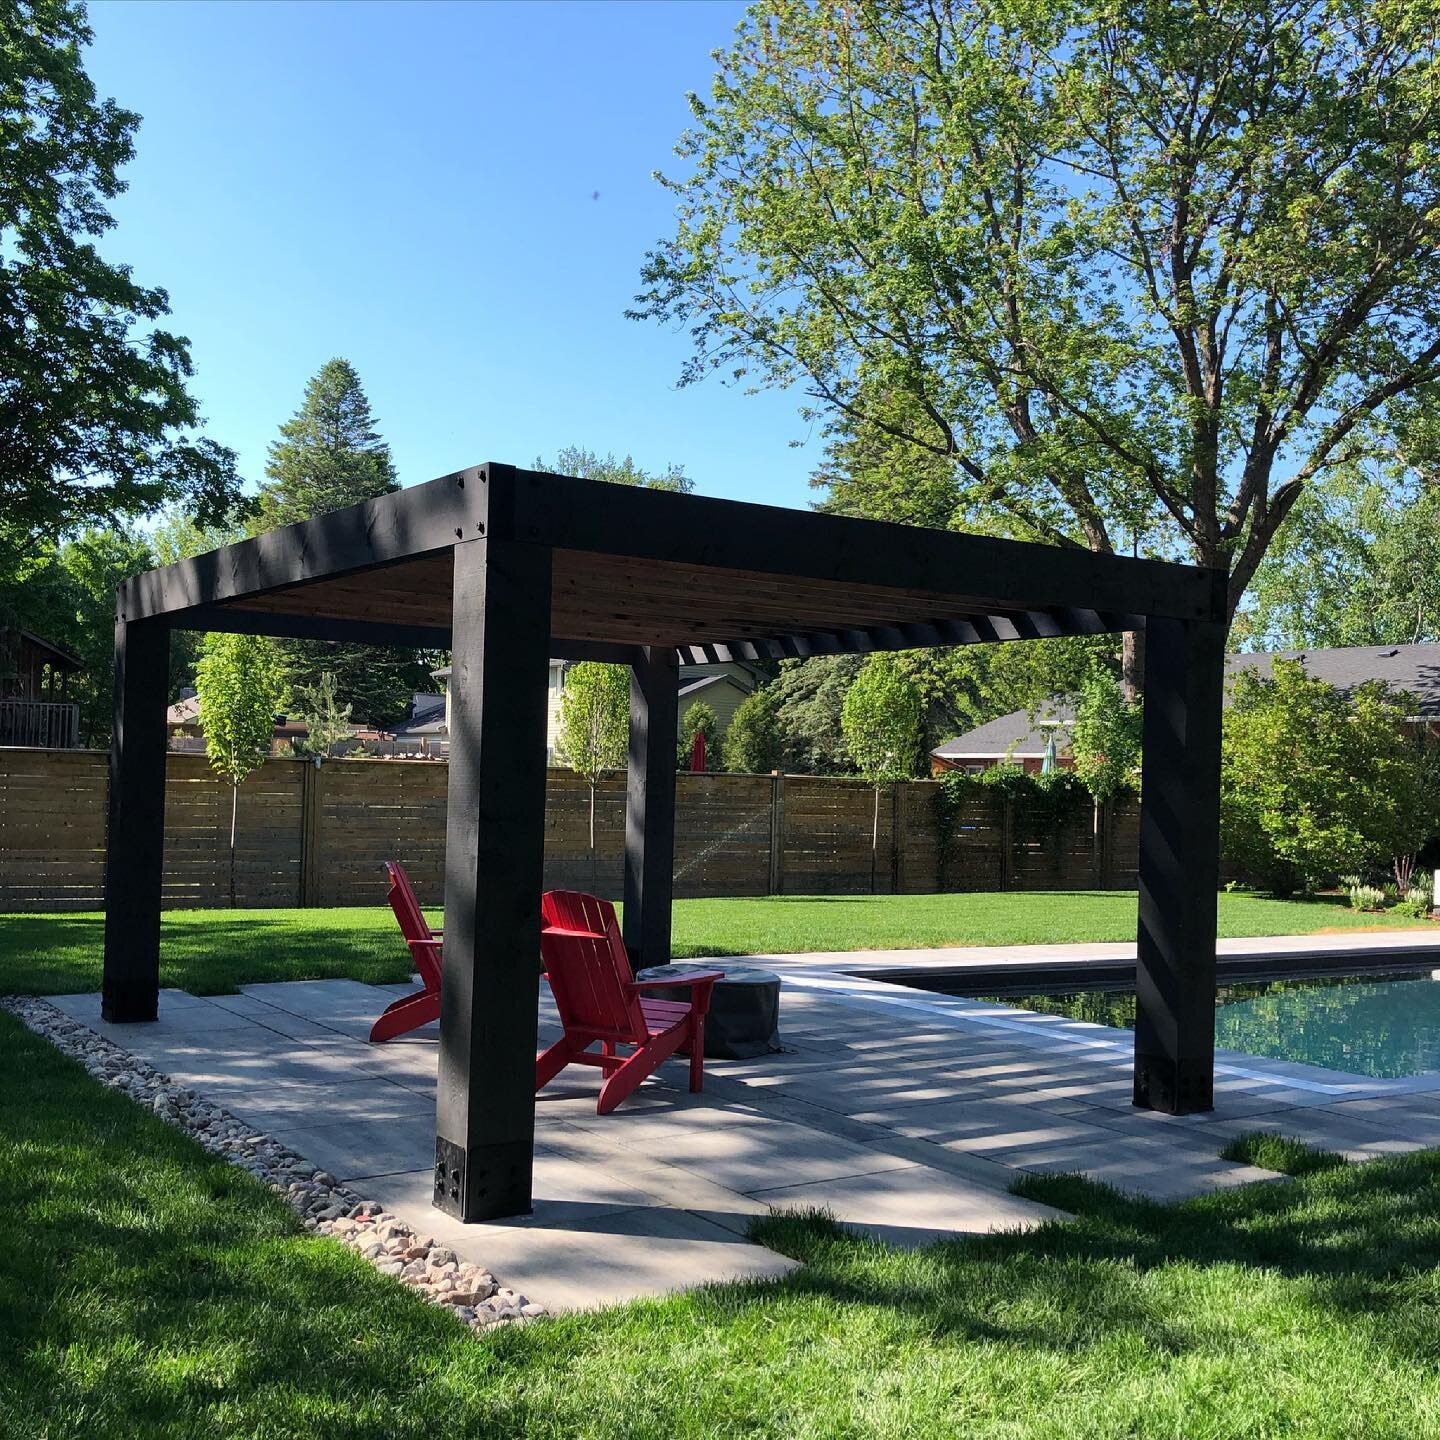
(1414, 668)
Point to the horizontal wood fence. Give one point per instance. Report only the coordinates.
(312, 836)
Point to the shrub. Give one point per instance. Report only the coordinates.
(753, 742)
(1416, 902)
(1366, 897)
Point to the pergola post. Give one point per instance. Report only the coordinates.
(650, 806)
(485, 1113)
(1179, 866)
(135, 844)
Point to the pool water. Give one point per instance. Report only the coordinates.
(1384, 1026)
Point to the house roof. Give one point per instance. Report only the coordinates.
(1414, 668)
(59, 655)
(1012, 734)
(704, 682)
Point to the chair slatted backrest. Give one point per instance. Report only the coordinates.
(424, 947)
(589, 973)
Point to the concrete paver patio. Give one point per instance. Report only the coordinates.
(902, 1112)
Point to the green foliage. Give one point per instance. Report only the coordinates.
(67, 595)
(327, 721)
(809, 696)
(753, 743)
(699, 719)
(1282, 1153)
(992, 235)
(239, 687)
(96, 425)
(1317, 782)
(1357, 563)
(330, 455)
(594, 729)
(587, 465)
(1105, 738)
(1040, 805)
(881, 720)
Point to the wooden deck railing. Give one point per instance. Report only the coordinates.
(49, 724)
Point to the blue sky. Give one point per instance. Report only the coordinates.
(457, 198)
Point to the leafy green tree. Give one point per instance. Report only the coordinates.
(1318, 783)
(96, 423)
(1358, 563)
(177, 535)
(594, 728)
(881, 718)
(327, 721)
(699, 719)
(1105, 738)
(330, 455)
(753, 743)
(587, 465)
(809, 696)
(1105, 264)
(238, 682)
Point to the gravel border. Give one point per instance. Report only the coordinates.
(324, 1205)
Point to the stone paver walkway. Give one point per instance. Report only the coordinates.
(902, 1112)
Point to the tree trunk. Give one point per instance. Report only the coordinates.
(874, 839)
(234, 806)
(1132, 666)
(594, 863)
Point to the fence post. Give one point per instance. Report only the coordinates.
(777, 832)
(309, 833)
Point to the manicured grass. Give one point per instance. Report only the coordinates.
(214, 951)
(153, 1292)
(1279, 1152)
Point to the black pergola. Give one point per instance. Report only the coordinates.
(510, 567)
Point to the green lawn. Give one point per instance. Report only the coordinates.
(213, 951)
(152, 1291)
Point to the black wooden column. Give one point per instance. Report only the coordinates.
(1179, 866)
(130, 989)
(650, 807)
(485, 1115)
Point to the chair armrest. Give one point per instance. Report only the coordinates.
(701, 982)
(415, 944)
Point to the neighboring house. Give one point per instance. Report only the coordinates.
(34, 674)
(721, 687)
(1014, 740)
(410, 738)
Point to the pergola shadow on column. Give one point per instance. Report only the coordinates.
(509, 567)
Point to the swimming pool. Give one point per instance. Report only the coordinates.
(1381, 1025)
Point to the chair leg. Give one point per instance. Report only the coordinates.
(551, 1062)
(626, 1080)
(697, 1054)
(406, 1014)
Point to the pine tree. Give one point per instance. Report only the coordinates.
(330, 455)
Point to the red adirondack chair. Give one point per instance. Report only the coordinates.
(411, 1011)
(599, 1001)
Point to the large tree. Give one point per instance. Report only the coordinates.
(96, 423)
(329, 455)
(1135, 273)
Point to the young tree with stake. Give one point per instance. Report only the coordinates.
(882, 721)
(594, 734)
(238, 683)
